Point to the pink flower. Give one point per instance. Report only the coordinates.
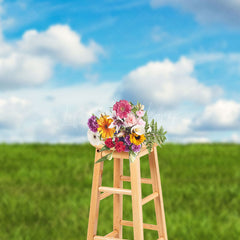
(140, 113)
(130, 120)
(122, 108)
(141, 122)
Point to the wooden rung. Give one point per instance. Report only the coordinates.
(145, 225)
(115, 190)
(143, 180)
(105, 195)
(112, 234)
(149, 198)
(107, 238)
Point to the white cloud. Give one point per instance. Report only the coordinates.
(11, 112)
(204, 57)
(235, 138)
(167, 84)
(221, 115)
(179, 126)
(18, 69)
(58, 115)
(196, 140)
(30, 61)
(206, 11)
(61, 44)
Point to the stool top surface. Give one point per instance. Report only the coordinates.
(124, 155)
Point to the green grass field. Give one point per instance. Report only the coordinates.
(45, 192)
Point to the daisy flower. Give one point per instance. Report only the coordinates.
(94, 138)
(104, 128)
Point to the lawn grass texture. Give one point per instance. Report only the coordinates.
(45, 192)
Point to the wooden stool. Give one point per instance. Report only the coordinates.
(100, 192)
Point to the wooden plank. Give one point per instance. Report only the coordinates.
(158, 202)
(95, 197)
(104, 195)
(117, 198)
(115, 190)
(143, 153)
(143, 180)
(149, 198)
(114, 233)
(124, 155)
(107, 238)
(145, 225)
(136, 199)
(119, 155)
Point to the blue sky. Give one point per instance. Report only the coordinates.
(62, 60)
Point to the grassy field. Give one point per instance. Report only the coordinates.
(45, 192)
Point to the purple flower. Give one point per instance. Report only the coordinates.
(117, 121)
(127, 140)
(92, 123)
(126, 148)
(136, 148)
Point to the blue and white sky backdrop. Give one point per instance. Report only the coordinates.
(62, 60)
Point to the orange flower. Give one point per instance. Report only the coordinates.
(104, 122)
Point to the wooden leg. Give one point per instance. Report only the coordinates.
(156, 185)
(136, 199)
(95, 197)
(117, 198)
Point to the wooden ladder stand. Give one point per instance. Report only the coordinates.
(100, 192)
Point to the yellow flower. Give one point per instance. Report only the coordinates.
(104, 122)
(137, 139)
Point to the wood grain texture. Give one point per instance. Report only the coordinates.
(115, 190)
(158, 202)
(136, 199)
(95, 197)
(136, 192)
(117, 198)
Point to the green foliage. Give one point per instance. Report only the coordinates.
(107, 157)
(153, 133)
(104, 148)
(45, 192)
(132, 156)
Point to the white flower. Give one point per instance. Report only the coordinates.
(94, 138)
(109, 156)
(138, 129)
(149, 129)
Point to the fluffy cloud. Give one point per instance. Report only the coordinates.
(207, 11)
(30, 61)
(166, 84)
(11, 112)
(53, 115)
(60, 44)
(222, 115)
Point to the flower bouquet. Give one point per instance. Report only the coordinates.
(127, 129)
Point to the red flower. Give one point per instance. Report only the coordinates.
(120, 147)
(109, 143)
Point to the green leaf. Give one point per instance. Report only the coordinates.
(104, 148)
(132, 156)
(104, 158)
